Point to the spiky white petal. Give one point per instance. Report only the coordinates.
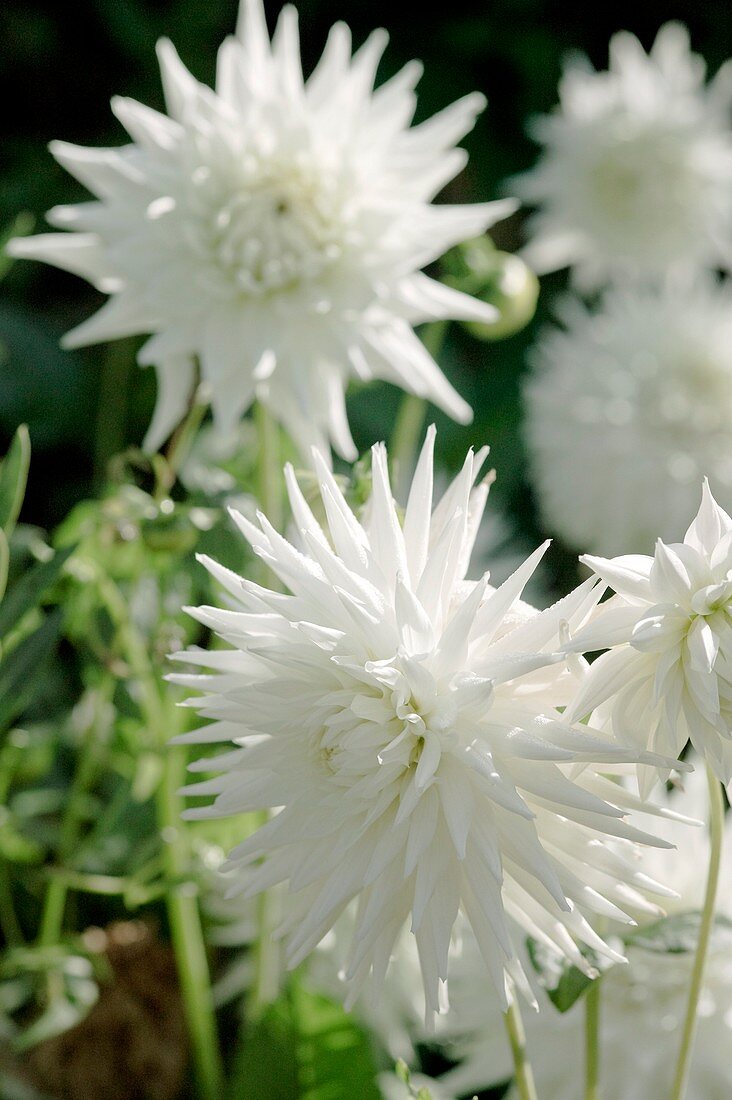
(667, 676)
(636, 172)
(274, 230)
(642, 1003)
(627, 408)
(401, 723)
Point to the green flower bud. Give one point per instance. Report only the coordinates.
(500, 278)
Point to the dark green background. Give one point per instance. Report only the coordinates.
(63, 61)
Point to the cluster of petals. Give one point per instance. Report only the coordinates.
(642, 1003)
(271, 234)
(636, 171)
(666, 677)
(402, 725)
(628, 406)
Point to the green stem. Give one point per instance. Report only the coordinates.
(117, 365)
(162, 721)
(410, 417)
(269, 488)
(186, 932)
(271, 499)
(517, 1038)
(180, 445)
(592, 1042)
(716, 828)
(54, 906)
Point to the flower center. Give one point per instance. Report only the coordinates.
(270, 225)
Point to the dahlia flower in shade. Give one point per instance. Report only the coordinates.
(273, 231)
(401, 722)
(627, 408)
(636, 171)
(642, 1004)
(667, 676)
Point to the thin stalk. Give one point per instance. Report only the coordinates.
(517, 1038)
(271, 500)
(118, 363)
(410, 417)
(592, 1042)
(716, 836)
(162, 721)
(180, 445)
(269, 466)
(54, 905)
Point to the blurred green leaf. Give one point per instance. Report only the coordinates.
(4, 563)
(678, 934)
(20, 227)
(13, 479)
(305, 1047)
(564, 983)
(27, 592)
(19, 670)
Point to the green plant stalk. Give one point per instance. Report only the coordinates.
(118, 364)
(186, 932)
(716, 831)
(411, 414)
(523, 1073)
(592, 1042)
(54, 905)
(271, 500)
(181, 900)
(180, 445)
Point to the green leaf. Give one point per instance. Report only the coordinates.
(678, 934)
(27, 592)
(564, 983)
(4, 563)
(305, 1047)
(19, 670)
(13, 478)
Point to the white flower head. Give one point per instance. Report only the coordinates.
(627, 409)
(274, 231)
(636, 173)
(402, 724)
(642, 1003)
(667, 677)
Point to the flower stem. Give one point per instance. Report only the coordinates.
(517, 1038)
(54, 904)
(162, 721)
(411, 414)
(269, 491)
(716, 828)
(592, 1042)
(269, 488)
(186, 932)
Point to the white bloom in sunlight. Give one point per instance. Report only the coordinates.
(627, 409)
(273, 231)
(636, 173)
(402, 723)
(642, 1004)
(668, 676)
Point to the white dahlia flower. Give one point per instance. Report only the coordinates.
(627, 409)
(667, 677)
(636, 173)
(272, 231)
(401, 722)
(642, 1004)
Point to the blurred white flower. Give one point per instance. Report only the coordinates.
(401, 721)
(273, 231)
(667, 677)
(627, 409)
(636, 173)
(642, 1003)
